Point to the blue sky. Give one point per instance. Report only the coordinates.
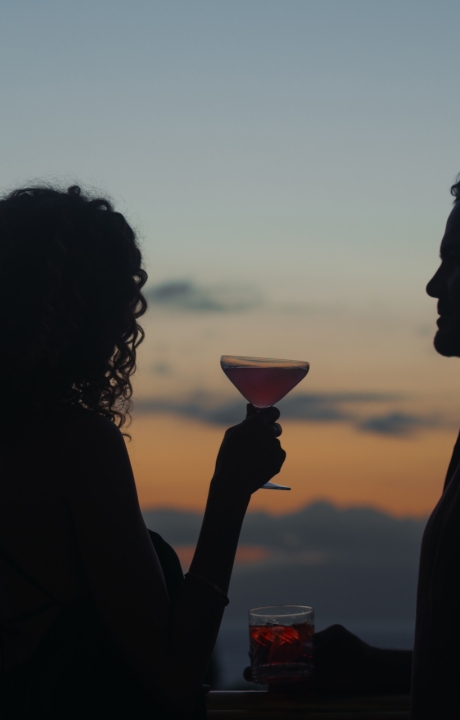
(291, 156)
(259, 136)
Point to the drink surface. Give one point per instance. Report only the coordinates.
(264, 386)
(281, 652)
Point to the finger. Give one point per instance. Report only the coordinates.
(274, 461)
(273, 450)
(277, 429)
(332, 633)
(247, 674)
(280, 459)
(270, 415)
(250, 410)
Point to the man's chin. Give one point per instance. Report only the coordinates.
(447, 343)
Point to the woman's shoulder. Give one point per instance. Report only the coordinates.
(71, 435)
(89, 434)
(66, 425)
(85, 422)
(94, 452)
(99, 476)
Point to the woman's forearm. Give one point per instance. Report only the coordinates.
(249, 456)
(220, 531)
(197, 611)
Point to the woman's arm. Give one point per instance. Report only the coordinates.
(168, 645)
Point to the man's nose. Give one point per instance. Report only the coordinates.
(433, 287)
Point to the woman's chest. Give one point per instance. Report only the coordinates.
(36, 530)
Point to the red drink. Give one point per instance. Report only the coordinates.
(281, 653)
(264, 386)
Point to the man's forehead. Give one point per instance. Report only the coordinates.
(452, 234)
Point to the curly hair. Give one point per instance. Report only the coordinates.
(70, 294)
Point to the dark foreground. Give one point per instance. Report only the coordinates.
(261, 705)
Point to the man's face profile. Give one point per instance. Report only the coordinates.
(445, 285)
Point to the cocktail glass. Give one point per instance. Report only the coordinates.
(263, 382)
(281, 646)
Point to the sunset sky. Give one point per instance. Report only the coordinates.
(286, 164)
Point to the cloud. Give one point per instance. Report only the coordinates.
(161, 368)
(356, 566)
(333, 407)
(198, 407)
(348, 563)
(315, 407)
(398, 424)
(329, 407)
(186, 296)
(320, 529)
(228, 413)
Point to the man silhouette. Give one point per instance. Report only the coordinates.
(343, 661)
(436, 664)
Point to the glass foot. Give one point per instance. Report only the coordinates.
(274, 486)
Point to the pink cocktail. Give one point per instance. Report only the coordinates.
(265, 386)
(263, 381)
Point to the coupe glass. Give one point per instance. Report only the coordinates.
(263, 382)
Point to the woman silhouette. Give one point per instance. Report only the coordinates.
(96, 617)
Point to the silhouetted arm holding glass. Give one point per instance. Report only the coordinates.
(344, 663)
(168, 645)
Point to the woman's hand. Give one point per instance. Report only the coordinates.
(250, 454)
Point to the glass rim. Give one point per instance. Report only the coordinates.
(280, 610)
(249, 361)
